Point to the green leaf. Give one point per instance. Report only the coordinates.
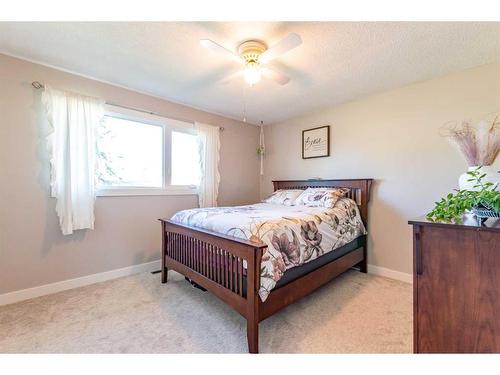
(454, 205)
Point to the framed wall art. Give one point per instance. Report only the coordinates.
(316, 142)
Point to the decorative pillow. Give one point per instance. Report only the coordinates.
(284, 197)
(321, 197)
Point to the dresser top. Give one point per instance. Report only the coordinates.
(469, 223)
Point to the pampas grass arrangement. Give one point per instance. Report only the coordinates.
(479, 145)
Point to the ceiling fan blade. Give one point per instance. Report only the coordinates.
(275, 75)
(284, 45)
(231, 77)
(217, 48)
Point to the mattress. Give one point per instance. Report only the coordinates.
(295, 235)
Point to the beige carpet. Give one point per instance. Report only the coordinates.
(355, 313)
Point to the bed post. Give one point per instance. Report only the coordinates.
(253, 285)
(164, 269)
(363, 265)
(365, 198)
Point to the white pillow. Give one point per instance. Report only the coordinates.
(321, 197)
(285, 197)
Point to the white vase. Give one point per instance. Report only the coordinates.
(492, 176)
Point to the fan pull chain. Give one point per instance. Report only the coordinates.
(244, 104)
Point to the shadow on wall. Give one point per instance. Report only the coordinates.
(384, 220)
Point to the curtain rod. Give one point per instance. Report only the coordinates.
(37, 85)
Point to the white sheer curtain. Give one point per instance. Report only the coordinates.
(72, 145)
(209, 147)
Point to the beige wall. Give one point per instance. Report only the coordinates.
(392, 137)
(32, 250)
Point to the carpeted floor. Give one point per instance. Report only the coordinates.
(355, 313)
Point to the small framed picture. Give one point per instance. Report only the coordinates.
(316, 142)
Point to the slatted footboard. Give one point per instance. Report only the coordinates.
(226, 266)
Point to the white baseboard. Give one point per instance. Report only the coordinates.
(38, 291)
(391, 274)
(24, 294)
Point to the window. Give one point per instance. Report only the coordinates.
(130, 154)
(140, 154)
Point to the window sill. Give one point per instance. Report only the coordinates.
(120, 192)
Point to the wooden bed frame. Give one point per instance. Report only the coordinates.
(215, 261)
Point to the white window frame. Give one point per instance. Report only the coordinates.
(168, 125)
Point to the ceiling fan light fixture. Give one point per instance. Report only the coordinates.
(255, 54)
(252, 73)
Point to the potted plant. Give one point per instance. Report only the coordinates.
(483, 200)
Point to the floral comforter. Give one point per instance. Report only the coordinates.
(294, 234)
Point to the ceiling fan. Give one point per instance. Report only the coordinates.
(255, 55)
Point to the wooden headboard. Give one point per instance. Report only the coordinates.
(359, 190)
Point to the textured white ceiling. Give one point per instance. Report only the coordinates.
(337, 61)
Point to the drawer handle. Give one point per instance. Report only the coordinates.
(418, 252)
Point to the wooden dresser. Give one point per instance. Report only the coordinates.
(456, 287)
